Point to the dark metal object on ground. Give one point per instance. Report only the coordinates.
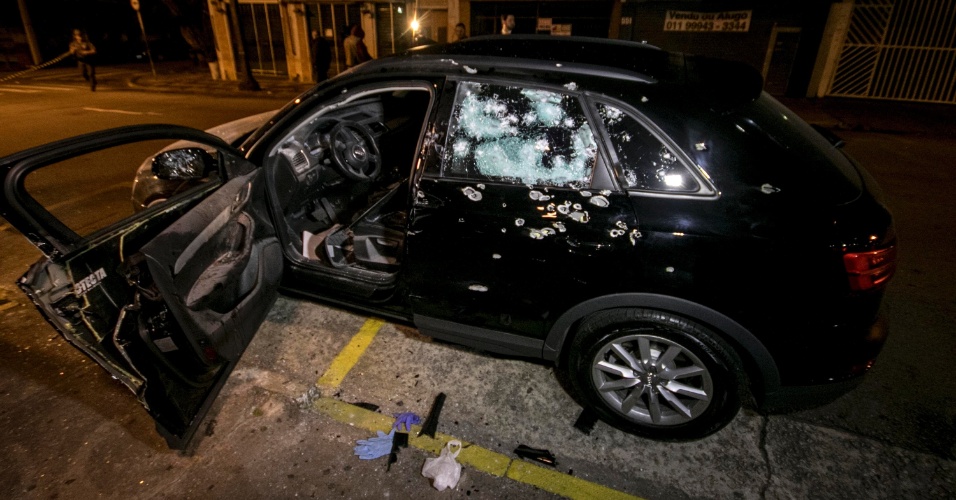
(398, 442)
(536, 454)
(431, 422)
(586, 420)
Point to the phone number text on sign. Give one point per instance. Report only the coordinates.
(732, 21)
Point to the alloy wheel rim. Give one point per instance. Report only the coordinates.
(652, 380)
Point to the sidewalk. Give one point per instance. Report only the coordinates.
(188, 78)
(872, 115)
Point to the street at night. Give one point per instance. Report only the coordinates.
(284, 425)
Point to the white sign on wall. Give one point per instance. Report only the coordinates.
(728, 22)
(560, 30)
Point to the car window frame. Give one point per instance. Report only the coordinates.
(263, 141)
(45, 229)
(706, 188)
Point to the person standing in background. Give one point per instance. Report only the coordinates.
(84, 51)
(460, 32)
(321, 57)
(507, 24)
(355, 50)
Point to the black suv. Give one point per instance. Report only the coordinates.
(670, 237)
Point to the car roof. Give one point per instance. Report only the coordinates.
(641, 58)
(717, 81)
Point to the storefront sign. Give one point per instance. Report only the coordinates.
(730, 21)
(544, 24)
(561, 30)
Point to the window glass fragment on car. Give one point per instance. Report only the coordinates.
(519, 136)
(646, 162)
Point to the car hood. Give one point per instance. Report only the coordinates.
(234, 130)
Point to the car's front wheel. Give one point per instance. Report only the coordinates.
(654, 374)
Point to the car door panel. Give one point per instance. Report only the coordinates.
(513, 209)
(234, 257)
(166, 300)
(507, 259)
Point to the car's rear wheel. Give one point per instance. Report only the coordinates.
(654, 374)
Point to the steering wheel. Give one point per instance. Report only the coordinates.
(354, 151)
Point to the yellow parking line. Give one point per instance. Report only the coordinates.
(350, 355)
(475, 456)
(562, 484)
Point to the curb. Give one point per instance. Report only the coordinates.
(221, 87)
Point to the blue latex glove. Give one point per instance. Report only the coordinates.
(408, 419)
(375, 447)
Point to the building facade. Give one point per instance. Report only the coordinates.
(802, 47)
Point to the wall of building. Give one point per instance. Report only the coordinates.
(780, 39)
(578, 18)
(788, 29)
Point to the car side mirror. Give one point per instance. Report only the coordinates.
(183, 164)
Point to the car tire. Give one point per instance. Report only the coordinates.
(654, 374)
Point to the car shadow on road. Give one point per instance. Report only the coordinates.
(84, 393)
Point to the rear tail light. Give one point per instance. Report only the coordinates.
(867, 270)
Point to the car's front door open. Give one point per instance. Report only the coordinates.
(166, 300)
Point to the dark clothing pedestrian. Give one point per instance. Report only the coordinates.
(355, 50)
(321, 57)
(85, 52)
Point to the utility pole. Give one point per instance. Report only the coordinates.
(246, 80)
(135, 5)
(31, 36)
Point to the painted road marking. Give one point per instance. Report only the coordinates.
(18, 90)
(62, 75)
(349, 355)
(122, 111)
(474, 456)
(43, 87)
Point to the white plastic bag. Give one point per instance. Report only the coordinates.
(444, 470)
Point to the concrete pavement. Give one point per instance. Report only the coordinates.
(187, 77)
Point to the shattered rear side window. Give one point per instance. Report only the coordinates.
(646, 162)
(519, 136)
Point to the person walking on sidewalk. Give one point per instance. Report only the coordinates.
(82, 48)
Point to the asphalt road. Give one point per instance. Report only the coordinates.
(68, 430)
